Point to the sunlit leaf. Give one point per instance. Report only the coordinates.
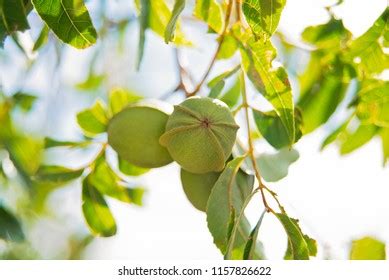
(93, 120)
(367, 50)
(228, 47)
(96, 211)
(120, 98)
(273, 130)
(42, 38)
(52, 143)
(232, 95)
(297, 245)
(69, 20)
(367, 248)
(211, 12)
(107, 182)
(355, 140)
(251, 244)
(272, 83)
(92, 82)
(129, 169)
(274, 167)
(57, 174)
(179, 6)
(10, 228)
(385, 144)
(263, 16)
(230, 191)
(373, 103)
(13, 17)
(225, 75)
(335, 134)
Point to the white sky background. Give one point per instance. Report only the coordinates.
(336, 198)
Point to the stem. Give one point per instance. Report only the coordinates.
(238, 8)
(251, 145)
(214, 58)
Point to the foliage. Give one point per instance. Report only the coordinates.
(342, 72)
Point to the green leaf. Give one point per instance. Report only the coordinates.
(91, 83)
(320, 95)
(367, 248)
(120, 98)
(274, 167)
(335, 134)
(231, 97)
(217, 89)
(13, 17)
(105, 180)
(228, 47)
(367, 50)
(96, 211)
(42, 38)
(57, 174)
(328, 35)
(385, 144)
(272, 129)
(223, 76)
(230, 191)
(251, 244)
(131, 170)
(52, 143)
(10, 228)
(24, 101)
(297, 246)
(263, 16)
(362, 135)
(144, 24)
(373, 103)
(93, 120)
(272, 83)
(69, 20)
(210, 11)
(179, 6)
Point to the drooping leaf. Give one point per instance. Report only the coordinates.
(42, 38)
(272, 83)
(57, 174)
(328, 35)
(355, 140)
(105, 180)
(13, 17)
(321, 94)
(251, 244)
(69, 20)
(232, 95)
(144, 24)
(263, 16)
(96, 211)
(129, 169)
(211, 12)
(367, 50)
(297, 246)
(120, 98)
(274, 167)
(367, 248)
(24, 100)
(92, 82)
(52, 143)
(93, 120)
(223, 76)
(273, 130)
(10, 228)
(217, 89)
(335, 134)
(385, 144)
(179, 6)
(230, 191)
(373, 103)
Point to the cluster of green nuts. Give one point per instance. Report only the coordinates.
(198, 134)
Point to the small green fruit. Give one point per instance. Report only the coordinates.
(134, 134)
(198, 187)
(200, 134)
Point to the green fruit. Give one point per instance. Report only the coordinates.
(134, 134)
(198, 187)
(200, 134)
